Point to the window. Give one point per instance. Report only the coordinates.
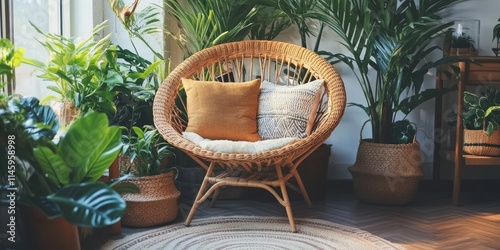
(46, 15)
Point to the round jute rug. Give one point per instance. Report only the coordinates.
(252, 233)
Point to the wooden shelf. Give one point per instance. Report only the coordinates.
(473, 160)
(482, 71)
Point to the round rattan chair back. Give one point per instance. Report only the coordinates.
(247, 60)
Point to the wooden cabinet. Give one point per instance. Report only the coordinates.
(472, 75)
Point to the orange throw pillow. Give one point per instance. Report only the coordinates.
(223, 110)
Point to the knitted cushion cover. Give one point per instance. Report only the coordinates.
(223, 111)
(287, 111)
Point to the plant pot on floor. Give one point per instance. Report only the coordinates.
(477, 142)
(156, 203)
(387, 174)
(44, 233)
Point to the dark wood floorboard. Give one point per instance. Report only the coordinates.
(430, 222)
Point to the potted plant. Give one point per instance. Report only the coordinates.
(393, 39)
(56, 182)
(496, 35)
(81, 72)
(462, 44)
(148, 159)
(482, 123)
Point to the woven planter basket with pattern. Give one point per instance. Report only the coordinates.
(477, 142)
(387, 174)
(156, 203)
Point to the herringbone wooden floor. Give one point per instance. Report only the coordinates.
(431, 222)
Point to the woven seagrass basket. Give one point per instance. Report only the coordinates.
(477, 142)
(387, 174)
(156, 203)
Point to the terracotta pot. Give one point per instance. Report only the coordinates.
(387, 174)
(43, 233)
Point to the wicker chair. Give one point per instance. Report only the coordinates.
(274, 168)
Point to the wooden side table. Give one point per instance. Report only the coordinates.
(485, 74)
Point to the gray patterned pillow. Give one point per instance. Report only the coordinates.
(287, 111)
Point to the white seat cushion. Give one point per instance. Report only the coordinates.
(242, 147)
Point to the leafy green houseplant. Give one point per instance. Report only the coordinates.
(496, 35)
(394, 38)
(481, 112)
(80, 70)
(482, 122)
(141, 77)
(389, 44)
(148, 159)
(204, 24)
(10, 58)
(147, 154)
(59, 179)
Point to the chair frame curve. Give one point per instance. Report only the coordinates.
(271, 60)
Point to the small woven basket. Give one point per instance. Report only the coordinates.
(156, 203)
(477, 142)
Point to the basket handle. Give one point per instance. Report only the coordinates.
(364, 124)
(361, 131)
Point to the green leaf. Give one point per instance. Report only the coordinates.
(90, 146)
(53, 165)
(91, 204)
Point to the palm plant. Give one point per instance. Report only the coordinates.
(300, 13)
(395, 39)
(207, 23)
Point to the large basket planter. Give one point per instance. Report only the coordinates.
(156, 203)
(387, 174)
(477, 142)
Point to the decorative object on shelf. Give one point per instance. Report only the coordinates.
(394, 39)
(482, 123)
(496, 35)
(465, 37)
(148, 159)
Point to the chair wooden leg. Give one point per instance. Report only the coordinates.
(286, 200)
(215, 197)
(303, 190)
(200, 194)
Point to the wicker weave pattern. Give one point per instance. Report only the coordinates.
(246, 60)
(156, 203)
(477, 142)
